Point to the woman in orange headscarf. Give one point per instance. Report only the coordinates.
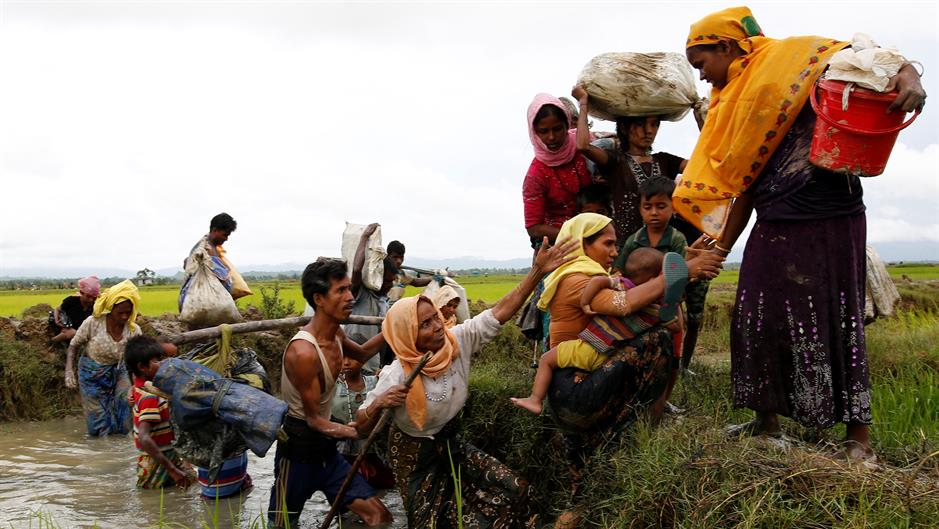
(797, 334)
(423, 435)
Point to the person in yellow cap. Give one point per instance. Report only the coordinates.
(797, 334)
(102, 376)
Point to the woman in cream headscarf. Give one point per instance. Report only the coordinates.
(424, 431)
(102, 376)
(447, 300)
(797, 335)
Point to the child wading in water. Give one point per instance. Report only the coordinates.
(158, 464)
(604, 333)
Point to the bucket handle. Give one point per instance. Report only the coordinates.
(813, 99)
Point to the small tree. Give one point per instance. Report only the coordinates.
(274, 307)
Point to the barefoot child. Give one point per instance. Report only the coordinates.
(602, 334)
(158, 465)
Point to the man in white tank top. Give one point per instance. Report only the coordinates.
(308, 461)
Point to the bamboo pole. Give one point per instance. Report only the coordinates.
(428, 272)
(385, 415)
(212, 333)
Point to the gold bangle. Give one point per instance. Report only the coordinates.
(721, 248)
(365, 411)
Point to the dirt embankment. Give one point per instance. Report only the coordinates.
(32, 369)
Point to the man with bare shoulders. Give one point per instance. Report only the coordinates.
(308, 461)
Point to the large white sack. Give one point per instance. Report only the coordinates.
(639, 84)
(462, 310)
(374, 270)
(207, 302)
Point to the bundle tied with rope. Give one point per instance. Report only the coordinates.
(207, 387)
(641, 84)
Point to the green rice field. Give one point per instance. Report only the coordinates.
(158, 300)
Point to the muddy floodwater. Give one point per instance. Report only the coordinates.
(52, 468)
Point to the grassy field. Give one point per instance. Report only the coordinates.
(158, 300)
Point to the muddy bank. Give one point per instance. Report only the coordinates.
(32, 369)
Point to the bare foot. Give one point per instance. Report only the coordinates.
(569, 519)
(764, 424)
(532, 404)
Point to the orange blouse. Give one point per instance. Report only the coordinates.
(567, 316)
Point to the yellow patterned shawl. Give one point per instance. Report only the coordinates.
(748, 118)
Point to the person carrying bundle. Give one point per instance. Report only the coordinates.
(203, 301)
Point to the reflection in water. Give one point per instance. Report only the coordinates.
(53, 468)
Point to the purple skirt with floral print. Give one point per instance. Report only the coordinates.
(797, 331)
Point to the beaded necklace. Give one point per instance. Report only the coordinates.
(443, 396)
(637, 171)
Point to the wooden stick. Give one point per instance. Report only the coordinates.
(428, 272)
(385, 415)
(256, 326)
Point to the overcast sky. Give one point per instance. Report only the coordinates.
(124, 127)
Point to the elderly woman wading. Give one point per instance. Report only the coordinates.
(425, 432)
(102, 376)
(797, 332)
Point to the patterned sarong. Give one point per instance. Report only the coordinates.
(104, 391)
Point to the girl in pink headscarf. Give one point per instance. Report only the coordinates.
(556, 174)
(68, 316)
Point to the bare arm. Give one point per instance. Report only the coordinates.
(359, 261)
(421, 281)
(740, 213)
(366, 417)
(594, 287)
(594, 153)
(303, 368)
(542, 231)
(546, 261)
(78, 341)
(362, 352)
(703, 265)
(150, 447)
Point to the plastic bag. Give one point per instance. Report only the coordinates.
(864, 64)
(207, 301)
(462, 310)
(374, 270)
(640, 84)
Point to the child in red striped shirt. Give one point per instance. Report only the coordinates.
(158, 464)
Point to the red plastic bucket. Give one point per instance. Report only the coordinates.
(854, 133)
